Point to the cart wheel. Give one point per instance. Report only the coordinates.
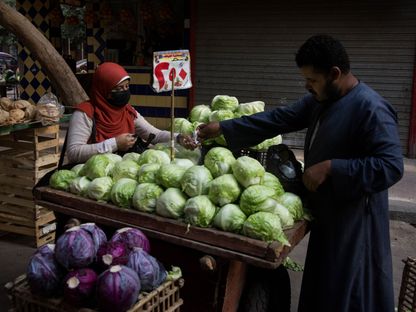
(266, 291)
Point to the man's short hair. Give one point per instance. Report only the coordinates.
(323, 52)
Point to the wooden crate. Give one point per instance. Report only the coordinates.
(165, 298)
(407, 297)
(25, 157)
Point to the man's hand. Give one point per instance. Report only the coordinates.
(315, 175)
(125, 141)
(209, 130)
(187, 141)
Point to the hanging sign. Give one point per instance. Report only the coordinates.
(171, 67)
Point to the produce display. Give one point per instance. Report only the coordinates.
(220, 190)
(228, 193)
(222, 107)
(90, 271)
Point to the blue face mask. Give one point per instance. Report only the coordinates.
(119, 98)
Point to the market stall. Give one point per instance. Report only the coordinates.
(237, 250)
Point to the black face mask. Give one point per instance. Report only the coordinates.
(119, 98)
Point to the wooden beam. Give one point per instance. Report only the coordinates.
(235, 284)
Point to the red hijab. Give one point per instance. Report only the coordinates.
(110, 121)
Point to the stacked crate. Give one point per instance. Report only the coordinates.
(25, 157)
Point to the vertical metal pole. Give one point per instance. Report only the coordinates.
(172, 116)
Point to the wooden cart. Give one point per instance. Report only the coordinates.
(237, 250)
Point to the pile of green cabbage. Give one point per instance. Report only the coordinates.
(235, 195)
(222, 107)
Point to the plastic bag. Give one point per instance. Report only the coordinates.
(48, 109)
(281, 161)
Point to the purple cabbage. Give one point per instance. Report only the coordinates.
(75, 248)
(117, 289)
(151, 272)
(112, 253)
(131, 237)
(44, 274)
(79, 286)
(98, 236)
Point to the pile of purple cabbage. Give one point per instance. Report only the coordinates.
(90, 271)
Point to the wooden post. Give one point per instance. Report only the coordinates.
(58, 71)
(235, 284)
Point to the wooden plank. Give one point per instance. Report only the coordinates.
(236, 277)
(9, 227)
(17, 210)
(18, 182)
(17, 145)
(47, 130)
(47, 160)
(46, 144)
(46, 216)
(9, 170)
(22, 202)
(23, 192)
(25, 161)
(21, 220)
(173, 239)
(207, 235)
(22, 211)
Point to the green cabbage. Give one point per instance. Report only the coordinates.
(263, 146)
(77, 168)
(220, 115)
(224, 190)
(182, 125)
(61, 179)
(224, 102)
(148, 172)
(273, 182)
(131, 156)
(152, 156)
(196, 180)
(265, 226)
(79, 186)
(230, 218)
(199, 211)
(219, 160)
(183, 162)
(100, 189)
(145, 196)
(220, 140)
(97, 166)
(114, 158)
(257, 198)
(122, 192)
(293, 203)
(192, 155)
(171, 203)
(170, 175)
(248, 171)
(125, 169)
(286, 219)
(249, 108)
(200, 113)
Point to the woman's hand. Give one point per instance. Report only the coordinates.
(125, 141)
(209, 130)
(186, 141)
